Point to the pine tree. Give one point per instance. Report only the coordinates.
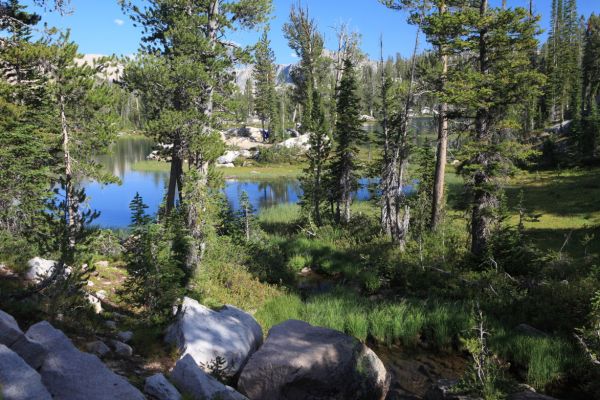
(138, 212)
(85, 123)
(26, 142)
(264, 76)
(153, 254)
(348, 135)
(249, 99)
(246, 215)
(435, 18)
(313, 180)
(184, 78)
(306, 41)
(590, 125)
(496, 77)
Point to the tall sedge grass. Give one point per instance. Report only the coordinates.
(404, 322)
(278, 310)
(409, 322)
(282, 214)
(546, 359)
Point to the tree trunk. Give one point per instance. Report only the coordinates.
(437, 204)
(175, 174)
(485, 202)
(71, 207)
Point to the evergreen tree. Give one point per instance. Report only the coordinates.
(495, 78)
(249, 99)
(138, 212)
(306, 41)
(264, 76)
(436, 18)
(313, 181)
(84, 121)
(564, 59)
(348, 135)
(590, 124)
(27, 140)
(246, 215)
(153, 254)
(184, 78)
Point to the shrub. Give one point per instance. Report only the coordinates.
(279, 155)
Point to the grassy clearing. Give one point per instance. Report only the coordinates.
(255, 172)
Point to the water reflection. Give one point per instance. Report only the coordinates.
(113, 200)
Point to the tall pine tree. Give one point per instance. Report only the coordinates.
(348, 135)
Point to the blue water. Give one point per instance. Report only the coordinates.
(112, 201)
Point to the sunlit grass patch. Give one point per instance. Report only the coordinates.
(546, 359)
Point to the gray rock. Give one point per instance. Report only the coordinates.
(191, 379)
(102, 264)
(229, 333)
(529, 330)
(18, 381)
(159, 388)
(125, 337)
(529, 395)
(31, 351)
(110, 324)
(11, 335)
(69, 373)
(443, 390)
(229, 157)
(9, 329)
(121, 348)
(301, 361)
(98, 348)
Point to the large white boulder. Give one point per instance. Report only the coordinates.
(252, 133)
(18, 381)
(301, 142)
(301, 361)
(229, 334)
(70, 374)
(191, 379)
(39, 268)
(159, 388)
(229, 157)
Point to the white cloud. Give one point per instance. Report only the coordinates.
(294, 55)
(119, 22)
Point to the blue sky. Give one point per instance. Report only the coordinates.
(100, 27)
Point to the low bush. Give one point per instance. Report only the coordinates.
(279, 155)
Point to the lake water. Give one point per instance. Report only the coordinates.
(112, 201)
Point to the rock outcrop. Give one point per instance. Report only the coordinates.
(301, 361)
(229, 334)
(191, 379)
(229, 157)
(159, 388)
(11, 336)
(18, 381)
(301, 142)
(69, 373)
